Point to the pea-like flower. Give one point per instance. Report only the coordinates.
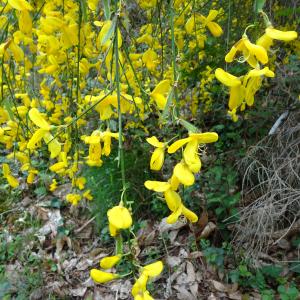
(252, 53)
(43, 133)
(12, 181)
(119, 218)
(109, 261)
(139, 289)
(158, 155)
(102, 277)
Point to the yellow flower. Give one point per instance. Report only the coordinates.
(149, 58)
(160, 92)
(87, 195)
(119, 218)
(192, 163)
(53, 185)
(235, 87)
(102, 277)
(139, 289)
(158, 155)
(20, 5)
(80, 182)
(213, 27)
(172, 198)
(109, 261)
(12, 181)
(31, 175)
(251, 52)
(285, 36)
(73, 198)
(43, 133)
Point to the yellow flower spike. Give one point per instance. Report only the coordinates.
(119, 218)
(102, 277)
(158, 155)
(154, 269)
(285, 36)
(36, 117)
(184, 175)
(110, 261)
(20, 5)
(191, 157)
(157, 186)
(226, 78)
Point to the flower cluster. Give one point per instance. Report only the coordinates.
(183, 173)
(243, 89)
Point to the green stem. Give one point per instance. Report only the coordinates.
(117, 78)
(173, 48)
(119, 244)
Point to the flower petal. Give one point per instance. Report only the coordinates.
(157, 159)
(157, 186)
(155, 142)
(281, 35)
(178, 144)
(102, 277)
(37, 118)
(226, 78)
(154, 269)
(184, 175)
(109, 261)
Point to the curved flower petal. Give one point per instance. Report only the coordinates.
(281, 35)
(259, 51)
(226, 78)
(154, 269)
(178, 144)
(157, 159)
(109, 261)
(215, 29)
(36, 117)
(173, 217)
(119, 217)
(102, 277)
(191, 216)
(205, 137)
(157, 186)
(155, 142)
(184, 175)
(173, 199)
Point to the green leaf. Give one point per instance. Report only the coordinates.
(258, 5)
(188, 126)
(169, 101)
(106, 7)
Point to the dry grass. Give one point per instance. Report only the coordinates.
(271, 189)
